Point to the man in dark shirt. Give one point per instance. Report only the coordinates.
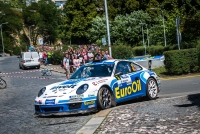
(71, 61)
(97, 55)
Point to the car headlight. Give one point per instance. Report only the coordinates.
(82, 89)
(41, 91)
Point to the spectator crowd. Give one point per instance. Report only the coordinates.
(74, 58)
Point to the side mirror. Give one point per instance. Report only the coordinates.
(119, 73)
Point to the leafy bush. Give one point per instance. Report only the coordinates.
(122, 52)
(181, 61)
(156, 50)
(138, 51)
(57, 57)
(16, 50)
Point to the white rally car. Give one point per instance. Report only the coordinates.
(97, 85)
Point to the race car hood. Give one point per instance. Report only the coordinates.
(70, 86)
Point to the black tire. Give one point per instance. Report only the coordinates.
(38, 67)
(104, 98)
(2, 84)
(152, 89)
(20, 67)
(23, 67)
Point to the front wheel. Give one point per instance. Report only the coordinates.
(152, 89)
(2, 83)
(104, 98)
(49, 73)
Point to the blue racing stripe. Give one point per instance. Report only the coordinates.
(83, 99)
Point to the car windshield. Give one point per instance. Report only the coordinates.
(96, 70)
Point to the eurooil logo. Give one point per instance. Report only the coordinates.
(123, 92)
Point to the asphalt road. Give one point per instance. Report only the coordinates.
(17, 104)
(17, 100)
(182, 85)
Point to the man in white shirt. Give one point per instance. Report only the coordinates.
(41, 57)
(90, 55)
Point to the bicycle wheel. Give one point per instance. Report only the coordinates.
(2, 83)
(43, 72)
(49, 73)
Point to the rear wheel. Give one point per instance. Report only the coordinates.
(38, 67)
(104, 98)
(43, 72)
(152, 89)
(2, 83)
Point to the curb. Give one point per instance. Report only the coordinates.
(91, 126)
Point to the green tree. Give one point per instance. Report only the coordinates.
(45, 17)
(79, 15)
(127, 29)
(97, 30)
(11, 30)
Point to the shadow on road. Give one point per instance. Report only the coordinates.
(194, 99)
(67, 115)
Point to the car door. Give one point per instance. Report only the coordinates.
(138, 88)
(128, 81)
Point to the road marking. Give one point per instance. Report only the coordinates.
(180, 77)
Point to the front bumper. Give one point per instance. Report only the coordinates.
(65, 109)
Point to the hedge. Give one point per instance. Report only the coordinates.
(122, 52)
(181, 61)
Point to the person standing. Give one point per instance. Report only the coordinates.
(49, 54)
(108, 56)
(76, 62)
(66, 65)
(97, 55)
(85, 55)
(71, 61)
(45, 57)
(90, 56)
(104, 56)
(41, 57)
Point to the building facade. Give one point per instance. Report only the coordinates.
(59, 3)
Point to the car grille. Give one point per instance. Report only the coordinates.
(52, 109)
(75, 106)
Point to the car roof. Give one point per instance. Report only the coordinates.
(111, 61)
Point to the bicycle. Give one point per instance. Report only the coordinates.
(46, 71)
(3, 83)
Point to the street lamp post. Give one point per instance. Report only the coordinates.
(30, 32)
(108, 30)
(2, 37)
(147, 34)
(163, 20)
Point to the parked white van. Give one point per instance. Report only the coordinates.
(29, 60)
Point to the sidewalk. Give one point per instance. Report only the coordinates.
(178, 115)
